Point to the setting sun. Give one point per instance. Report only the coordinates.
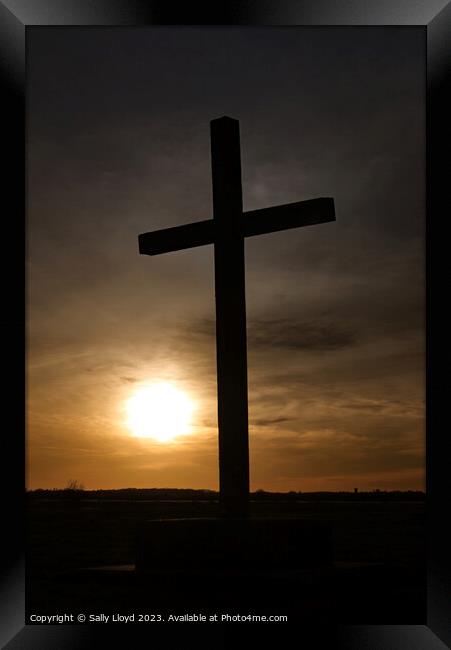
(159, 411)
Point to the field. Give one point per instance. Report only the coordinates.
(378, 575)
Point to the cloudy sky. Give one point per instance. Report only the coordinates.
(118, 144)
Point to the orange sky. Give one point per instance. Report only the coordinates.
(335, 312)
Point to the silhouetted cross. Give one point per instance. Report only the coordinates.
(226, 231)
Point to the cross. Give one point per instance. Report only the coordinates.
(226, 231)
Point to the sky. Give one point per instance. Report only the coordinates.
(118, 144)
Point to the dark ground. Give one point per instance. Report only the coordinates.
(378, 574)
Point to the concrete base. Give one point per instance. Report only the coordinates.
(215, 546)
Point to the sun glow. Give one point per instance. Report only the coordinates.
(159, 411)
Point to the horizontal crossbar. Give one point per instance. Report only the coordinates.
(255, 222)
(290, 215)
(194, 234)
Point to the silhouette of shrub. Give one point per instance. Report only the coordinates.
(74, 490)
(74, 485)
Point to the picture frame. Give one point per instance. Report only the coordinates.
(16, 16)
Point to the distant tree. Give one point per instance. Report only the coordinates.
(73, 492)
(74, 486)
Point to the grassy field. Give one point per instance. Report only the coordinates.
(378, 551)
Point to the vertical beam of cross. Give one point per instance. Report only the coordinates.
(231, 349)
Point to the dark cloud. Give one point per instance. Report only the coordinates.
(285, 333)
(266, 422)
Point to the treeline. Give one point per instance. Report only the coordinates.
(373, 495)
(159, 494)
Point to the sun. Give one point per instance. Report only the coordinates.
(159, 411)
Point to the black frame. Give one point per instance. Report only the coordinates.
(15, 17)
